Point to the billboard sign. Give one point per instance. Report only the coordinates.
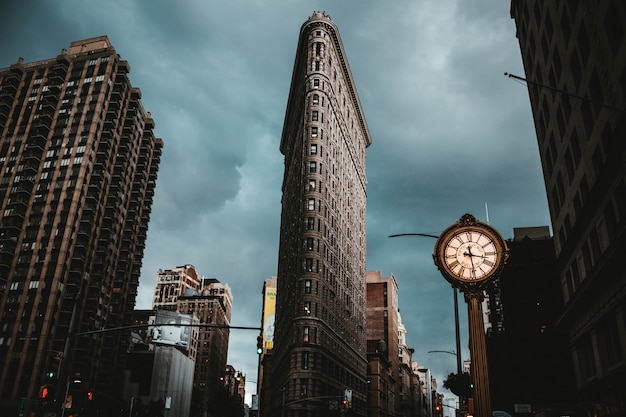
(269, 315)
(168, 330)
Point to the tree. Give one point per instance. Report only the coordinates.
(460, 385)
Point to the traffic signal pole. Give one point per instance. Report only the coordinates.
(63, 369)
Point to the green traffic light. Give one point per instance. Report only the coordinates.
(49, 374)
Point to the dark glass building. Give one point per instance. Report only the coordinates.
(78, 165)
(320, 342)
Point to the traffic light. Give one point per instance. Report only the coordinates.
(44, 391)
(90, 395)
(53, 367)
(259, 345)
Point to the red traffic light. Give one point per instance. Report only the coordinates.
(44, 391)
(90, 395)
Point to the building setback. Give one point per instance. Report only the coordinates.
(319, 345)
(574, 56)
(78, 163)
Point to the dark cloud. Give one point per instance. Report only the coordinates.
(450, 134)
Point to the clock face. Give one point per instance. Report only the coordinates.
(470, 255)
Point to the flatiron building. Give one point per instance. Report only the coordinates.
(78, 166)
(319, 349)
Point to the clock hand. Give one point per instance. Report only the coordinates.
(471, 256)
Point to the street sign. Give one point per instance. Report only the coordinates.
(333, 405)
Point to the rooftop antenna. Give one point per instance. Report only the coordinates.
(487, 212)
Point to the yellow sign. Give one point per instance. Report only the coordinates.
(269, 314)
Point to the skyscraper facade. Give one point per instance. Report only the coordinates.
(320, 344)
(79, 161)
(574, 56)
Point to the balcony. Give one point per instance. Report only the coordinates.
(34, 149)
(57, 78)
(60, 69)
(10, 88)
(5, 109)
(48, 108)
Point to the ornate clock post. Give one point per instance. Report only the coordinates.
(470, 254)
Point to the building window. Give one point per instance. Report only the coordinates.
(311, 204)
(307, 290)
(316, 99)
(316, 82)
(315, 116)
(305, 360)
(312, 166)
(310, 223)
(303, 388)
(586, 358)
(311, 185)
(309, 243)
(314, 132)
(305, 334)
(309, 265)
(313, 149)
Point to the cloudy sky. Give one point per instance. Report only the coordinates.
(450, 134)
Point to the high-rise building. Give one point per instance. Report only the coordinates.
(409, 397)
(79, 161)
(525, 306)
(383, 352)
(174, 283)
(574, 56)
(319, 344)
(208, 301)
